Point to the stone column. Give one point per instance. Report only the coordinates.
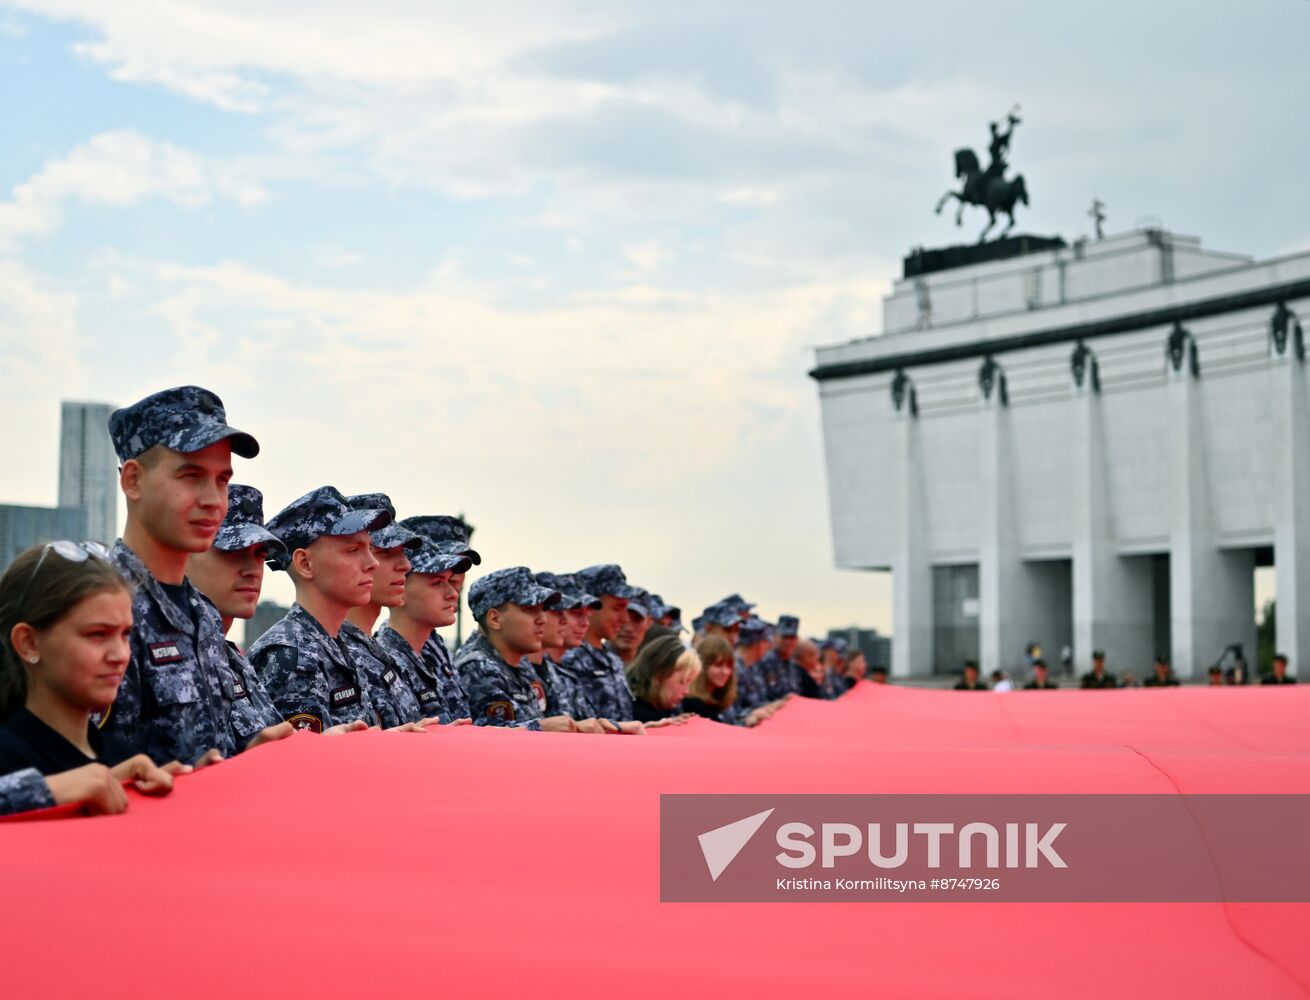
(1112, 607)
(912, 611)
(1291, 442)
(1008, 592)
(1211, 591)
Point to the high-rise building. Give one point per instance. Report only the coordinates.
(21, 527)
(88, 467)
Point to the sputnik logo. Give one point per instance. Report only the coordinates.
(722, 844)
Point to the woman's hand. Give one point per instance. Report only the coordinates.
(92, 785)
(141, 770)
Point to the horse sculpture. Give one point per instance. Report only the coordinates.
(989, 188)
(985, 188)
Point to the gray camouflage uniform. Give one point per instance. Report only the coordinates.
(388, 689)
(500, 695)
(429, 673)
(602, 680)
(24, 791)
(176, 698)
(310, 675)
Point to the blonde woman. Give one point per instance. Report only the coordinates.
(660, 677)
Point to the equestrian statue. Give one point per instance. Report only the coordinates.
(988, 188)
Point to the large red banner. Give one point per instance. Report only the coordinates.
(469, 860)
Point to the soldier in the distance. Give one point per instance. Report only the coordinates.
(1279, 674)
(1098, 677)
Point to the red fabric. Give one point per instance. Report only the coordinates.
(473, 860)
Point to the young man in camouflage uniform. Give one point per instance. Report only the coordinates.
(780, 675)
(390, 692)
(627, 641)
(502, 686)
(230, 575)
(753, 703)
(564, 695)
(450, 536)
(410, 637)
(596, 667)
(724, 620)
(176, 700)
(302, 661)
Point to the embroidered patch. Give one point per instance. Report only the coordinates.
(539, 690)
(164, 652)
(389, 678)
(239, 689)
(501, 711)
(304, 720)
(428, 697)
(344, 696)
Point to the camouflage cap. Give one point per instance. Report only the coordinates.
(737, 603)
(323, 511)
(572, 596)
(641, 602)
(659, 608)
(186, 419)
(789, 626)
(698, 623)
(723, 615)
(754, 630)
(606, 578)
(448, 533)
(389, 536)
(515, 585)
(428, 558)
(244, 524)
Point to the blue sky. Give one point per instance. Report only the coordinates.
(561, 265)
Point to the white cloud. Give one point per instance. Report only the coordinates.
(39, 363)
(648, 256)
(118, 169)
(748, 196)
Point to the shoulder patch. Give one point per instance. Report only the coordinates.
(306, 720)
(539, 690)
(502, 711)
(389, 677)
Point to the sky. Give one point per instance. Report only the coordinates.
(561, 266)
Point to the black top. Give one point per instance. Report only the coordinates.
(702, 708)
(809, 686)
(644, 711)
(26, 741)
(1271, 679)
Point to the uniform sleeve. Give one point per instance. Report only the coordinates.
(292, 687)
(490, 701)
(24, 791)
(252, 709)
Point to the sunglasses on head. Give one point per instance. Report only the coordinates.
(74, 552)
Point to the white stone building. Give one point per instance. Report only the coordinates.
(1093, 445)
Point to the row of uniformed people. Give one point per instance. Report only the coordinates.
(157, 680)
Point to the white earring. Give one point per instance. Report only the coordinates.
(31, 659)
